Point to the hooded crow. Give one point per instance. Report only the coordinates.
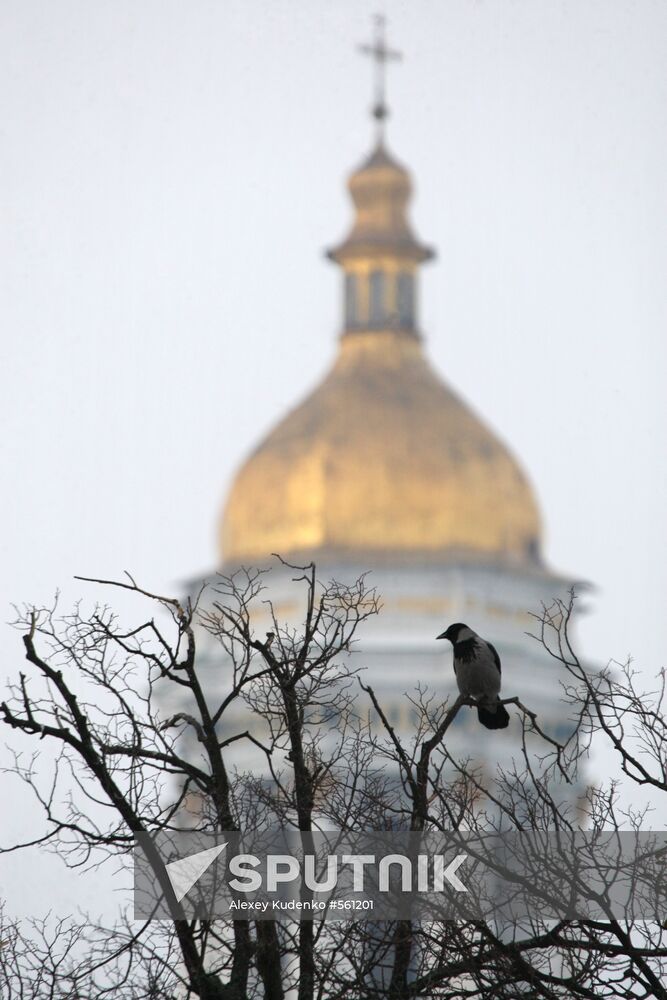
(477, 669)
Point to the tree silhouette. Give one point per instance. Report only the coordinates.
(98, 702)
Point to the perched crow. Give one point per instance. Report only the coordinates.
(477, 669)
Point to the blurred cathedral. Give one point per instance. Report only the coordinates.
(383, 467)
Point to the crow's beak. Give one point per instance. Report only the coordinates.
(443, 635)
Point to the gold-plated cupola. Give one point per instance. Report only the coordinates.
(380, 255)
(382, 461)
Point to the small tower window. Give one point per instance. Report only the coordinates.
(406, 300)
(377, 299)
(351, 302)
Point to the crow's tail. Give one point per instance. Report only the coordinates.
(496, 719)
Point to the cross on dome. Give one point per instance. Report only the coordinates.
(381, 55)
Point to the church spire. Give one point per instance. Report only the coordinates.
(380, 255)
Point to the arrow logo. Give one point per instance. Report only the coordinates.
(184, 873)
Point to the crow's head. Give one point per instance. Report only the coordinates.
(452, 633)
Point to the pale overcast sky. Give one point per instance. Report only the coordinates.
(170, 175)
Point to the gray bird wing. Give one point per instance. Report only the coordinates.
(496, 658)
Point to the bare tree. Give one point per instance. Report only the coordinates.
(612, 957)
(123, 766)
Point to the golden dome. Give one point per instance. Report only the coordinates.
(380, 190)
(382, 461)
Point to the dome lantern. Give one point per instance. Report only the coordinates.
(380, 255)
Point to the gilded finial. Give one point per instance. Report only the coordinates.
(381, 55)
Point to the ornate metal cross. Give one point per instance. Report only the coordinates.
(379, 52)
